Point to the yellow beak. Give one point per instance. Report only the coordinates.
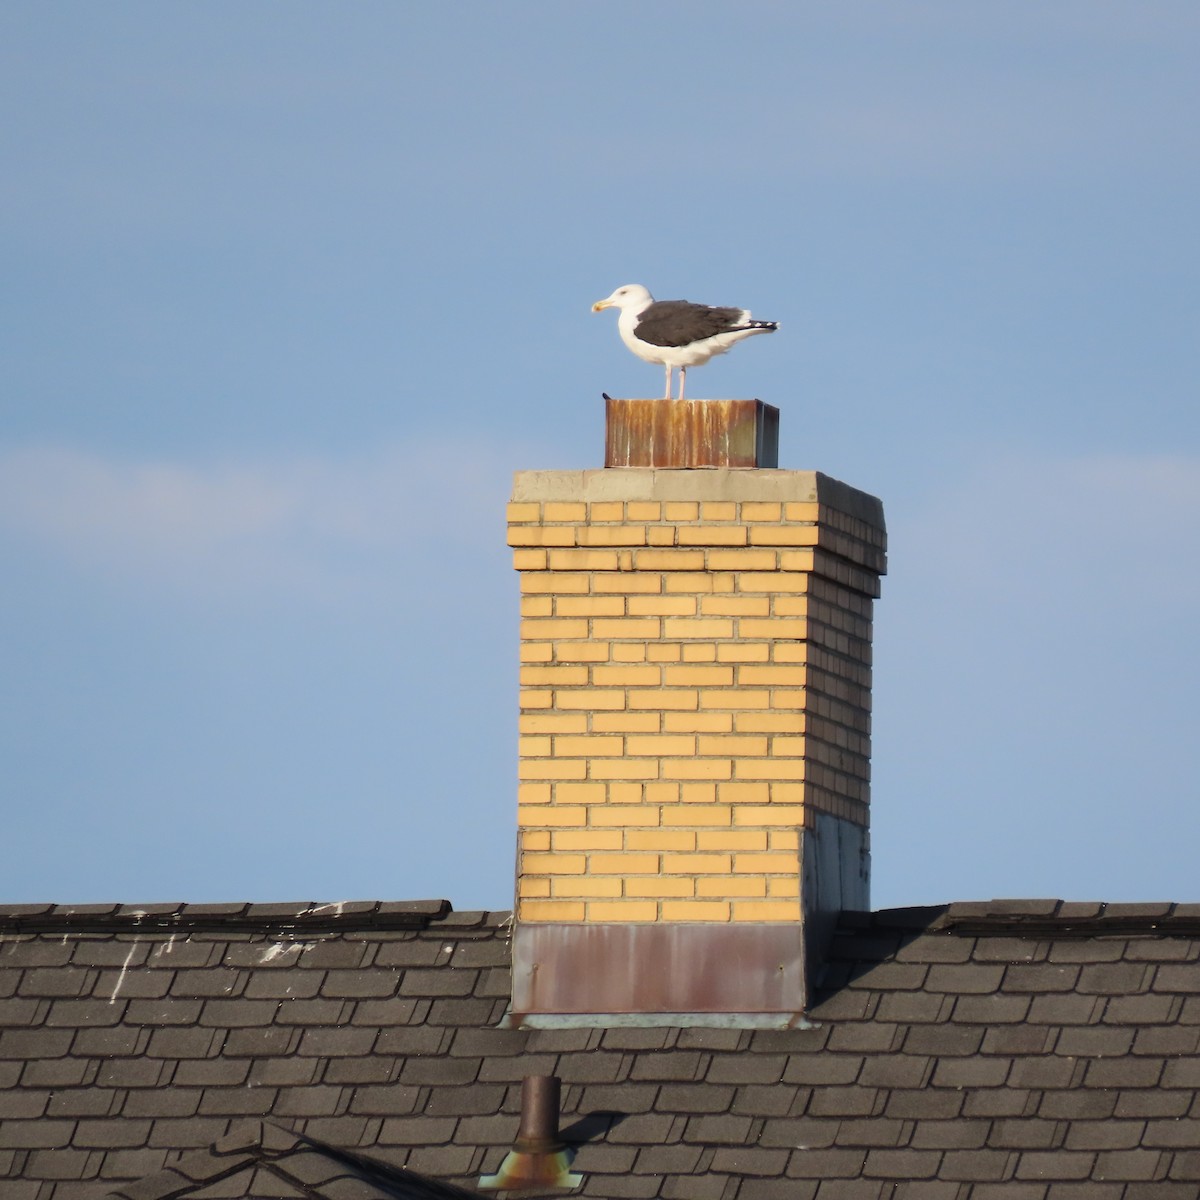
(601, 304)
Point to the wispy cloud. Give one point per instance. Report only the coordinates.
(315, 528)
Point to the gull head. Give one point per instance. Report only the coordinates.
(628, 295)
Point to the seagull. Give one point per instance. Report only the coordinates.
(677, 333)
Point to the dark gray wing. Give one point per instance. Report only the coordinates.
(679, 323)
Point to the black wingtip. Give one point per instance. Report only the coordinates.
(606, 395)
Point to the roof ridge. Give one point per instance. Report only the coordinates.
(1034, 918)
(299, 917)
(269, 1143)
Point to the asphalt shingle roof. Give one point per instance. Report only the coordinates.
(1013, 1051)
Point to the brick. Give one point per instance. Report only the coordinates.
(553, 723)
(536, 535)
(736, 652)
(623, 768)
(735, 606)
(692, 675)
(750, 674)
(627, 722)
(612, 535)
(663, 652)
(790, 746)
(529, 560)
(588, 745)
(557, 583)
(729, 839)
(696, 723)
(635, 628)
(579, 559)
(557, 815)
(589, 606)
(622, 910)
(589, 887)
(594, 651)
(785, 535)
(606, 510)
(591, 698)
(729, 887)
(659, 839)
(530, 768)
(687, 510)
(659, 886)
(806, 561)
(537, 628)
(744, 793)
(769, 814)
(734, 699)
(643, 510)
(695, 910)
(696, 864)
(697, 584)
(698, 768)
(773, 768)
(698, 627)
(709, 535)
(535, 793)
(669, 560)
(552, 910)
(758, 510)
(554, 864)
(767, 910)
(623, 864)
(679, 699)
(693, 815)
(660, 744)
(569, 839)
(794, 606)
(662, 606)
(801, 510)
(580, 793)
(622, 815)
(627, 676)
(739, 746)
(773, 581)
(560, 511)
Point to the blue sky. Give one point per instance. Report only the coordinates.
(291, 290)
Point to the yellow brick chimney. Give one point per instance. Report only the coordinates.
(694, 736)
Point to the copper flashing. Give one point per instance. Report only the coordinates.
(747, 968)
(688, 434)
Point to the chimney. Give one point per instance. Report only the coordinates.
(695, 724)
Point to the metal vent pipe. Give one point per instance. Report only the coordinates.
(541, 1097)
(539, 1159)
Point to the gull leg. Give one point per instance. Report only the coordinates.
(667, 393)
(682, 373)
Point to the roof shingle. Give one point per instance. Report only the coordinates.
(981, 1052)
